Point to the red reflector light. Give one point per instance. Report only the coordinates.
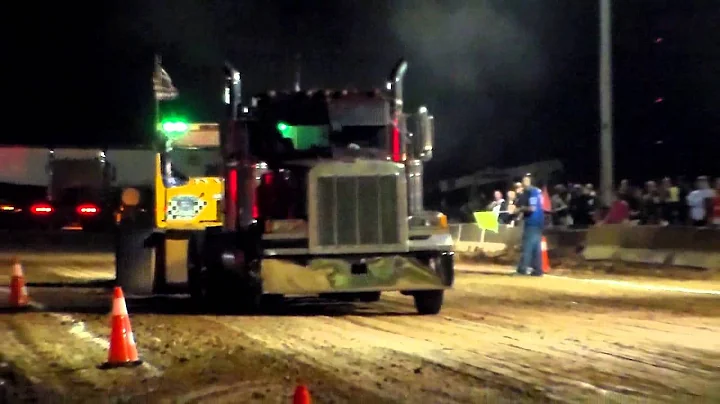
(87, 209)
(255, 209)
(41, 209)
(396, 152)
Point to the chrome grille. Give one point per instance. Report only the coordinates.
(357, 211)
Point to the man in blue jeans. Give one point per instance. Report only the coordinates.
(531, 207)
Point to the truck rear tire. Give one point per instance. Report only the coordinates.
(428, 302)
(210, 286)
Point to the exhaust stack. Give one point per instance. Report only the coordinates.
(234, 154)
(413, 166)
(397, 147)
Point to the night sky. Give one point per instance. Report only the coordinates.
(509, 82)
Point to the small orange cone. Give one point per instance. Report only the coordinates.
(545, 259)
(122, 351)
(302, 395)
(19, 296)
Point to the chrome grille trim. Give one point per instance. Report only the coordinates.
(357, 207)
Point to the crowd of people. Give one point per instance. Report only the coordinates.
(666, 202)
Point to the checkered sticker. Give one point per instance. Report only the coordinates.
(185, 207)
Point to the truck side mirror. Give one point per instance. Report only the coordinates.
(422, 139)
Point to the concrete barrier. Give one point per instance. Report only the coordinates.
(55, 241)
(698, 248)
(648, 245)
(469, 238)
(639, 245)
(602, 243)
(655, 245)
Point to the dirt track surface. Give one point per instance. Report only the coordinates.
(499, 339)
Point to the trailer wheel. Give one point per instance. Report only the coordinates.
(428, 301)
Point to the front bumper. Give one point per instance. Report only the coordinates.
(296, 276)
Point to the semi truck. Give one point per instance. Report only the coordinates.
(68, 188)
(321, 196)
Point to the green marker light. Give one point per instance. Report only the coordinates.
(282, 127)
(174, 128)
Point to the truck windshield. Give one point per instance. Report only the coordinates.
(287, 141)
(76, 195)
(190, 163)
(309, 137)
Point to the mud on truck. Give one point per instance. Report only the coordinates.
(322, 197)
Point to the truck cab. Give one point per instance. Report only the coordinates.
(188, 180)
(79, 193)
(317, 194)
(322, 199)
(154, 227)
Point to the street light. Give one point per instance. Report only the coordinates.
(606, 110)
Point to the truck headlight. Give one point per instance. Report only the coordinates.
(433, 220)
(292, 226)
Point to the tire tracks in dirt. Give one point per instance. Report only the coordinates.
(391, 362)
(57, 363)
(203, 360)
(494, 354)
(643, 370)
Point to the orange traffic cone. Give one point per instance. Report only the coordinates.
(546, 201)
(19, 296)
(302, 395)
(122, 351)
(545, 259)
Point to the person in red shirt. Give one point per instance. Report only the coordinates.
(619, 211)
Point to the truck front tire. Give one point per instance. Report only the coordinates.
(196, 276)
(428, 302)
(215, 288)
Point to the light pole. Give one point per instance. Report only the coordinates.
(606, 112)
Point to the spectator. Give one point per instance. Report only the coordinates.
(670, 194)
(509, 216)
(579, 207)
(699, 200)
(560, 200)
(716, 204)
(652, 204)
(625, 190)
(592, 200)
(619, 211)
(685, 188)
(636, 205)
(518, 189)
(496, 204)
